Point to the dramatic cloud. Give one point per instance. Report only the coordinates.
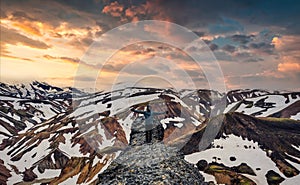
(289, 67)
(135, 11)
(223, 56)
(255, 47)
(114, 9)
(253, 59)
(17, 58)
(213, 46)
(255, 41)
(242, 39)
(10, 36)
(67, 59)
(20, 15)
(288, 49)
(229, 48)
(262, 47)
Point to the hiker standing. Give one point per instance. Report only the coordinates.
(149, 116)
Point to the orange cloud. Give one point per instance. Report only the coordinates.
(147, 10)
(18, 58)
(288, 47)
(157, 11)
(13, 37)
(289, 67)
(28, 27)
(114, 9)
(64, 59)
(63, 34)
(134, 12)
(277, 42)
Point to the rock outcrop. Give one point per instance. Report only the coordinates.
(150, 163)
(4, 173)
(227, 175)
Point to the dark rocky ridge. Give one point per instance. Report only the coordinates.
(150, 163)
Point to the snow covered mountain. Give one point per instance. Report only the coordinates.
(63, 135)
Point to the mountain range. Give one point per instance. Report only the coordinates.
(52, 135)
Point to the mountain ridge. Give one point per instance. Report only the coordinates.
(90, 130)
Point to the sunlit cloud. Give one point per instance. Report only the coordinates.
(18, 58)
(114, 9)
(11, 36)
(65, 59)
(52, 37)
(289, 67)
(276, 41)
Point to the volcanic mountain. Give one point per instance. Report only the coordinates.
(52, 135)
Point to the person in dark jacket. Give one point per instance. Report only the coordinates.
(149, 116)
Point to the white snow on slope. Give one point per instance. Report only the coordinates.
(185, 92)
(68, 149)
(230, 106)
(296, 117)
(278, 100)
(233, 146)
(126, 125)
(123, 104)
(166, 121)
(88, 107)
(208, 177)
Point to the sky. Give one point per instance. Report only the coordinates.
(103, 44)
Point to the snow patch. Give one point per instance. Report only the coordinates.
(296, 117)
(234, 146)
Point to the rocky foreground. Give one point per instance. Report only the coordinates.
(150, 163)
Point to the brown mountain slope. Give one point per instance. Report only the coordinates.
(277, 136)
(288, 111)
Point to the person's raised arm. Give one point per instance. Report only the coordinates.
(137, 111)
(159, 113)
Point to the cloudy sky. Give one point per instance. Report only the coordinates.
(68, 42)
